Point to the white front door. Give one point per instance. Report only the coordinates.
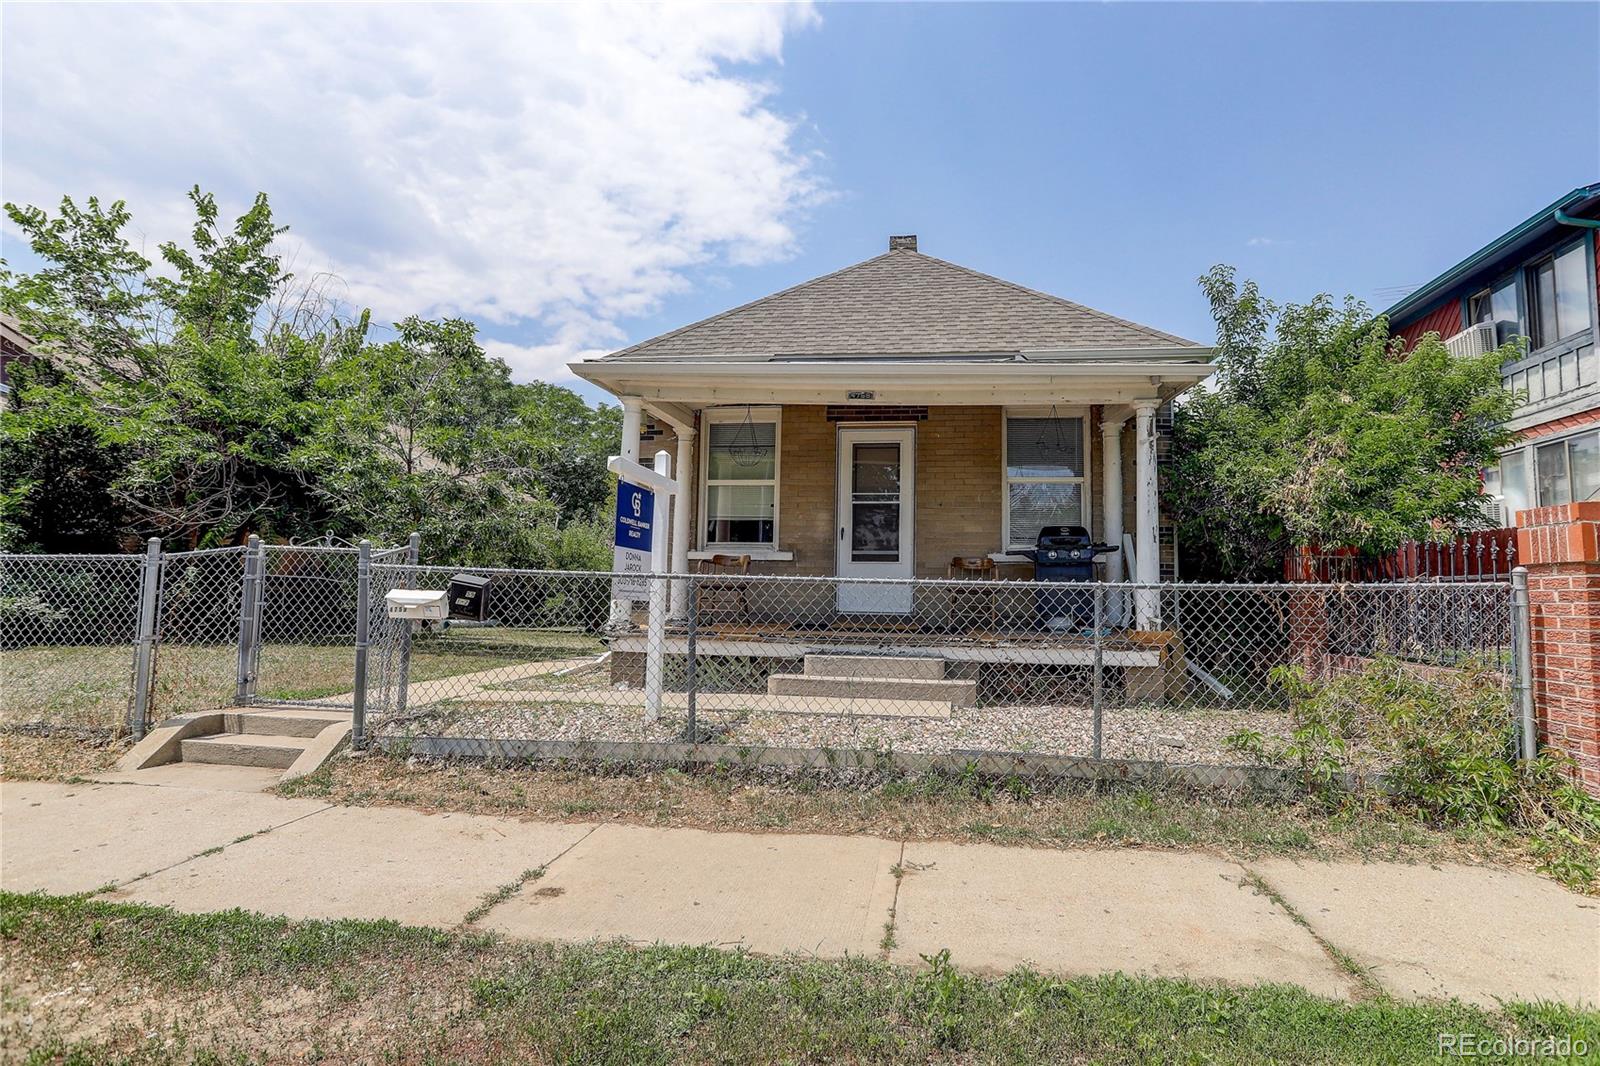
(877, 473)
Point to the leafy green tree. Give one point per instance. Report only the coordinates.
(197, 380)
(217, 395)
(1320, 429)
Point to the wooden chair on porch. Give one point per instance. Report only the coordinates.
(715, 595)
(977, 603)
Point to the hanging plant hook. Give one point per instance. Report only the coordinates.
(745, 449)
(1053, 435)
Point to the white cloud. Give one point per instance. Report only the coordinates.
(1266, 242)
(549, 171)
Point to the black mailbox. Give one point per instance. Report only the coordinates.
(469, 597)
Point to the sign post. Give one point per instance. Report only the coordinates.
(643, 495)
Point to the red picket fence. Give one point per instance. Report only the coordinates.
(1483, 555)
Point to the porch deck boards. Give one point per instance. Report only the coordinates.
(789, 640)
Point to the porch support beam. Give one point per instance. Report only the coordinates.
(1111, 487)
(632, 411)
(1146, 514)
(681, 509)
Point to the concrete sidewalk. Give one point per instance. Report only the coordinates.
(1477, 934)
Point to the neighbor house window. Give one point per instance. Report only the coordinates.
(1568, 470)
(1045, 462)
(1513, 487)
(1558, 297)
(741, 469)
(1498, 304)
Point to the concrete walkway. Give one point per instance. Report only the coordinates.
(1416, 931)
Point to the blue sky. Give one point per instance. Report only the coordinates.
(581, 182)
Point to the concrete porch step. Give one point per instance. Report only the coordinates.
(957, 693)
(922, 668)
(286, 723)
(244, 749)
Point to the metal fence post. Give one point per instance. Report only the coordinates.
(144, 655)
(1099, 665)
(1522, 651)
(249, 620)
(403, 670)
(691, 734)
(358, 717)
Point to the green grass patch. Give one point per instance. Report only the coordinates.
(380, 992)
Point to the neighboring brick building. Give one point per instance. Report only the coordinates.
(1537, 282)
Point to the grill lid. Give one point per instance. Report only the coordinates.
(1062, 537)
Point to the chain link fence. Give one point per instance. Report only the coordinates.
(69, 627)
(1084, 679)
(795, 671)
(107, 645)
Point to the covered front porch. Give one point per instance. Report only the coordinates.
(894, 470)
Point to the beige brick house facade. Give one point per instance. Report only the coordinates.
(992, 397)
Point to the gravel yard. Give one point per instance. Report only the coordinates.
(1147, 733)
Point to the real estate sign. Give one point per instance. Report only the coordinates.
(636, 508)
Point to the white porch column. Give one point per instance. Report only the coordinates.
(1146, 510)
(681, 510)
(1111, 492)
(632, 408)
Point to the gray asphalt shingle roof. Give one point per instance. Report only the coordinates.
(899, 303)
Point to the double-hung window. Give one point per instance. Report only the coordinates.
(1558, 296)
(741, 471)
(1045, 458)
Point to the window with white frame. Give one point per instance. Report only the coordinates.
(1046, 481)
(1546, 475)
(741, 478)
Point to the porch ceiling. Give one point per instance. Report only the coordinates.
(1114, 378)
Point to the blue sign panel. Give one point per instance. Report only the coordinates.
(635, 514)
(636, 508)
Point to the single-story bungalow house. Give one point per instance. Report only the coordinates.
(887, 418)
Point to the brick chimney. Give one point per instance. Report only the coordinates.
(906, 243)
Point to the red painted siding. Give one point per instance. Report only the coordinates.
(1561, 425)
(1443, 319)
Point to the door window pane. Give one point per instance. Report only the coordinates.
(876, 470)
(1552, 463)
(1514, 481)
(875, 532)
(1584, 460)
(1571, 292)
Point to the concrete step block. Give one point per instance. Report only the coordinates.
(244, 749)
(284, 723)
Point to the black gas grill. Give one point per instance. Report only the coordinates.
(1063, 554)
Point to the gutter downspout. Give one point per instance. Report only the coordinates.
(1573, 220)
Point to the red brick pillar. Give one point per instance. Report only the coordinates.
(1560, 546)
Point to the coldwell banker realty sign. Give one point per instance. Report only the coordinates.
(636, 508)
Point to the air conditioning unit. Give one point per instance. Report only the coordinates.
(1476, 339)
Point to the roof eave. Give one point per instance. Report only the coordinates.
(1531, 227)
